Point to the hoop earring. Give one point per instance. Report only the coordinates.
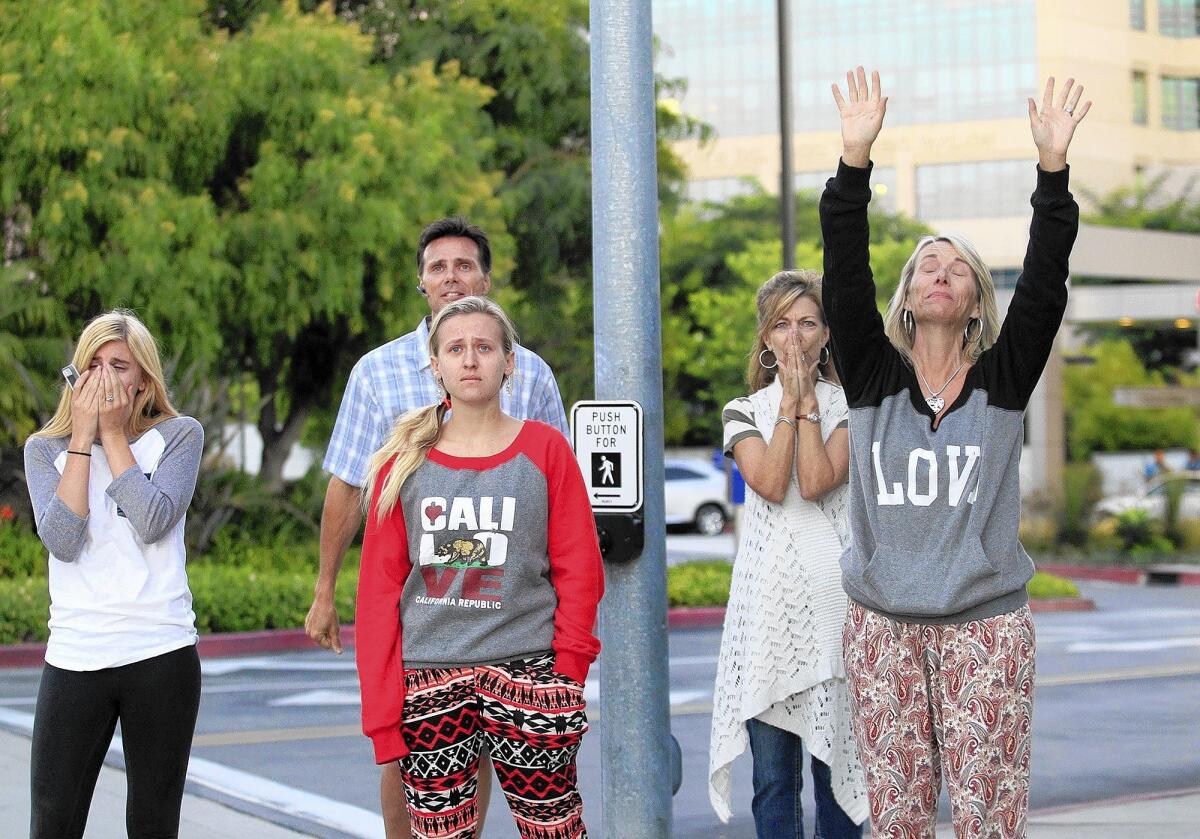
(767, 366)
(908, 322)
(823, 355)
(967, 331)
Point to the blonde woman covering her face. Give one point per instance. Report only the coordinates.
(780, 680)
(110, 477)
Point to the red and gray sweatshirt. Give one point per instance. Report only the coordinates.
(482, 560)
(934, 512)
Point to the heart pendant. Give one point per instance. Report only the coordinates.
(935, 403)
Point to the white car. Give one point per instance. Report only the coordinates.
(696, 495)
(1153, 498)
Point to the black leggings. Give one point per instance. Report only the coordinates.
(156, 701)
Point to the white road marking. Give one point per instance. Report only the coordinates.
(318, 697)
(1146, 645)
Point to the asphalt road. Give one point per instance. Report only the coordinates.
(1118, 695)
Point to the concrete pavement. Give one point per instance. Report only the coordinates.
(1166, 815)
(201, 818)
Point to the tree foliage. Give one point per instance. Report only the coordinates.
(253, 196)
(1095, 423)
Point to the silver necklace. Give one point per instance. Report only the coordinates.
(934, 399)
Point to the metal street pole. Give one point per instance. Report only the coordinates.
(636, 771)
(787, 180)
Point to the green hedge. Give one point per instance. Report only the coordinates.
(24, 610)
(228, 599)
(706, 583)
(1045, 585)
(700, 583)
(225, 599)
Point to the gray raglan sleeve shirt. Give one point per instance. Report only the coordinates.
(153, 503)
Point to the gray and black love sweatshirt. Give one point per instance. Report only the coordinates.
(934, 512)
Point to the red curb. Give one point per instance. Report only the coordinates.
(1135, 576)
(229, 644)
(696, 617)
(217, 645)
(1061, 604)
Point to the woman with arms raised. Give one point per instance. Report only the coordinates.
(939, 641)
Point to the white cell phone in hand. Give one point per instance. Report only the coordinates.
(71, 375)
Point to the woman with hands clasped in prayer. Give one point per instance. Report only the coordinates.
(780, 678)
(939, 641)
(110, 477)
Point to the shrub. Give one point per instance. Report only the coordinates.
(1038, 533)
(1138, 530)
(1081, 491)
(24, 610)
(703, 583)
(1045, 585)
(231, 599)
(22, 554)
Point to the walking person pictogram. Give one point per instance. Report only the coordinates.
(606, 469)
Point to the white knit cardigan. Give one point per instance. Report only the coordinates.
(781, 651)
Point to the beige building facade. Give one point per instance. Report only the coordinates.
(956, 150)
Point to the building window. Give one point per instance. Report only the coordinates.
(1179, 18)
(1141, 115)
(984, 189)
(883, 185)
(943, 61)
(720, 190)
(1137, 14)
(1181, 103)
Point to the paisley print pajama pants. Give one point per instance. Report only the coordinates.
(934, 699)
(532, 719)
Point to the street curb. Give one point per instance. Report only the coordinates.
(1182, 575)
(696, 617)
(231, 644)
(1062, 604)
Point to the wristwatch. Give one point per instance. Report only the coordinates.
(813, 417)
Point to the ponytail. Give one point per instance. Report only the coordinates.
(412, 437)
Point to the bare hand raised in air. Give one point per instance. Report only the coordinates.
(1054, 125)
(862, 114)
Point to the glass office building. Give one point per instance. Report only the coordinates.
(956, 150)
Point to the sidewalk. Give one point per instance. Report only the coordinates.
(1168, 815)
(1171, 815)
(202, 818)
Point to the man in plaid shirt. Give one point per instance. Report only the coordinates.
(454, 260)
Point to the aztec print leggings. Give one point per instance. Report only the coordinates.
(532, 720)
(929, 697)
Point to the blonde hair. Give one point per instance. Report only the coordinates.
(776, 296)
(989, 314)
(152, 405)
(417, 431)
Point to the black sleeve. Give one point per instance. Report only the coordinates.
(862, 354)
(1015, 363)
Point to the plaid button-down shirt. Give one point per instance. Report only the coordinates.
(395, 378)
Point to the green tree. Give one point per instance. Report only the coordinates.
(1095, 423)
(1146, 205)
(253, 196)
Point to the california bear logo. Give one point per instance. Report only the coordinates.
(463, 553)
